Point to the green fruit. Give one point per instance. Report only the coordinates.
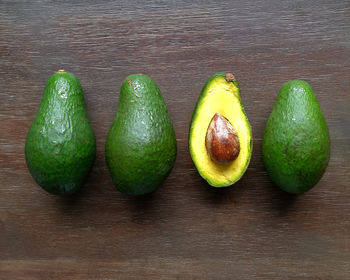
(220, 138)
(140, 145)
(296, 145)
(60, 144)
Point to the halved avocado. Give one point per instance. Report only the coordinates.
(220, 97)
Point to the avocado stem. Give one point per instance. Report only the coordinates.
(230, 77)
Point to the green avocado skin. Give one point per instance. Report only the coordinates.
(60, 144)
(296, 142)
(141, 145)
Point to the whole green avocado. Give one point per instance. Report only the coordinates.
(140, 146)
(296, 143)
(60, 144)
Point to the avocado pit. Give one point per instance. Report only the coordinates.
(221, 140)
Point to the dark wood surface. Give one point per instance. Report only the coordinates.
(185, 230)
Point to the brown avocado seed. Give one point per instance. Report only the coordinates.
(221, 141)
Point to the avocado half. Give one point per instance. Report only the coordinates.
(220, 95)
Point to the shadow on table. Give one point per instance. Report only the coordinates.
(218, 195)
(282, 203)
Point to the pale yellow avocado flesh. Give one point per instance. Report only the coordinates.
(220, 96)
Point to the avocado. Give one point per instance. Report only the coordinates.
(220, 137)
(140, 146)
(60, 144)
(296, 144)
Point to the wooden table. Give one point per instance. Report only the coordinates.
(185, 230)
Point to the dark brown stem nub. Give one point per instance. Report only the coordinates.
(221, 140)
(230, 77)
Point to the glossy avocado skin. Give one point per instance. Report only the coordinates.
(141, 145)
(60, 144)
(296, 142)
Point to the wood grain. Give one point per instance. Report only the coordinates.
(185, 230)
